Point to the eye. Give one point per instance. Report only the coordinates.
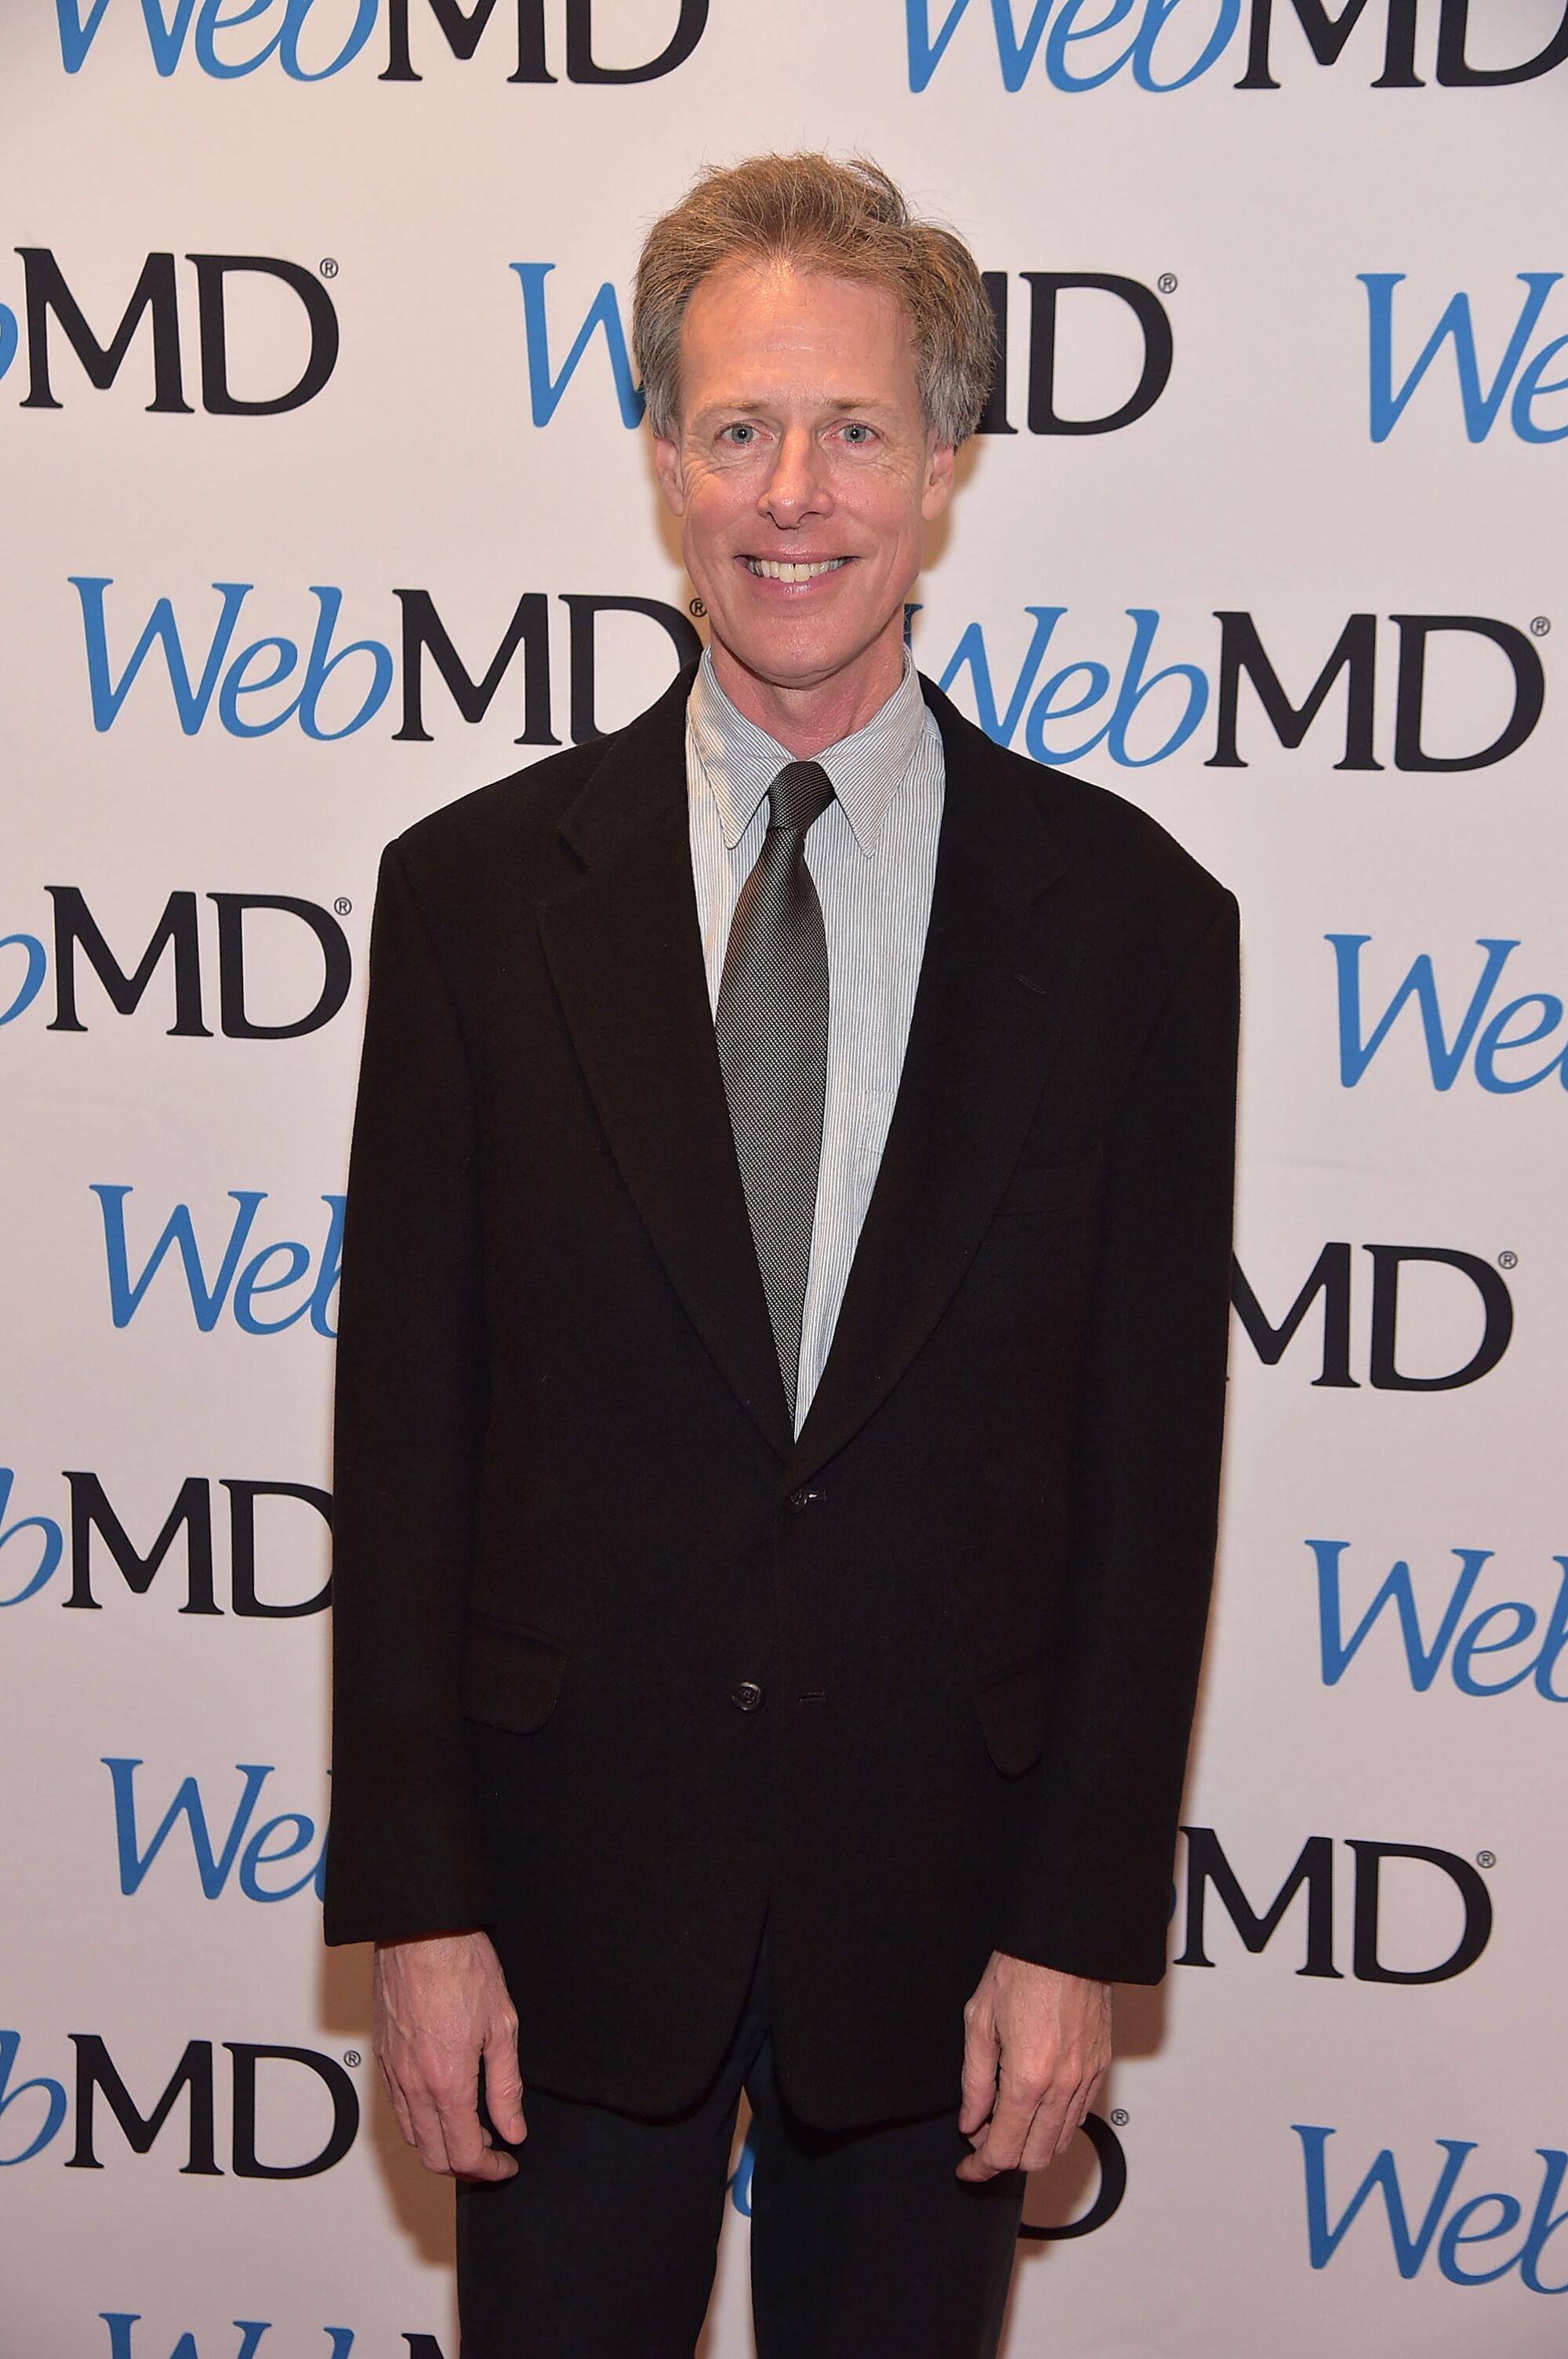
(739, 435)
(855, 433)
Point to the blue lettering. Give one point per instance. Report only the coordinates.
(32, 979)
(971, 650)
(1410, 2249)
(604, 312)
(236, 685)
(190, 702)
(257, 1856)
(319, 670)
(167, 35)
(1495, 1039)
(1135, 688)
(1481, 406)
(213, 1867)
(1456, 2233)
(10, 337)
(1543, 2225)
(166, 38)
(741, 2178)
(206, 1300)
(1470, 1643)
(1525, 395)
(243, 1285)
(1424, 1660)
(1420, 986)
(1554, 1643)
(1015, 51)
(54, 2100)
(120, 2322)
(48, 1554)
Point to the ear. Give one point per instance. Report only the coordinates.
(666, 466)
(937, 489)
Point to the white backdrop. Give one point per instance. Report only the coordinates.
(1313, 2159)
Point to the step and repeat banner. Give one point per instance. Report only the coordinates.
(327, 500)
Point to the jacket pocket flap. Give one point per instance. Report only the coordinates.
(1012, 1716)
(510, 1677)
(1041, 1186)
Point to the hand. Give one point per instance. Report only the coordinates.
(440, 2007)
(1035, 2047)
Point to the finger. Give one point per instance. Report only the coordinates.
(426, 2121)
(468, 2152)
(1006, 2133)
(982, 2052)
(502, 2084)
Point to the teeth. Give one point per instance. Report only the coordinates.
(769, 569)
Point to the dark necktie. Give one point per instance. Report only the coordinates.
(771, 1023)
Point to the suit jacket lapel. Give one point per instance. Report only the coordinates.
(995, 985)
(625, 951)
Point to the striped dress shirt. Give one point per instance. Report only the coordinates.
(871, 857)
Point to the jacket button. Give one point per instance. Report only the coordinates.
(798, 1499)
(746, 1696)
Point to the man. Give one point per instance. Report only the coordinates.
(780, 1386)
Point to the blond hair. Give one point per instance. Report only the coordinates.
(849, 220)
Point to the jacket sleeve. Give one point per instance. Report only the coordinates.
(1093, 1889)
(402, 1854)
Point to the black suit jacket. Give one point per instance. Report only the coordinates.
(572, 1522)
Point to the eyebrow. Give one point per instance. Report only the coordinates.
(842, 404)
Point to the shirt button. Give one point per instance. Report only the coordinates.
(746, 1696)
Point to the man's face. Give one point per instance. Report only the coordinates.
(802, 469)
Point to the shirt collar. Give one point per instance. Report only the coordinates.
(741, 761)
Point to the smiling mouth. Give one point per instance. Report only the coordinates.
(770, 569)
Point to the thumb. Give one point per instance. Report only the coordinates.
(502, 2084)
(982, 2052)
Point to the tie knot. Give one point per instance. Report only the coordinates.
(799, 794)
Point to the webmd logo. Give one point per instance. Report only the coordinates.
(311, 40)
(1164, 45)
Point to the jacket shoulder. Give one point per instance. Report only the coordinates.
(462, 839)
(1127, 871)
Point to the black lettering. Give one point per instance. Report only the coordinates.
(345, 2111)
(1452, 69)
(337, 967)
(75, 927)
(460, 29)
(242, 1498)
(580, 66)
(1206, 1864)
(48, 294)
(424, 633)
(90, 1512)
(212, 271)
(1497, 1303)
(584, 612)
(95, 2073)
(1530, 691)
(1330, 1276)
(1364, 1962)
(1241, 650)
(994, 416)
(1108, 2200)
(1044, 286)
(1326, 35)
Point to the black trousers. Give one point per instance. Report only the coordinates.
(862, 2242)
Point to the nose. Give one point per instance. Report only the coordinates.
(798, 486)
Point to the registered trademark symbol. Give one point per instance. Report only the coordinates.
(1485, 1859)
(1166, 282)
(697, 608)
(342, 905)
(351, 2057)
(1508, 1261)
(328, 267)
(1119, 2115)
(1540, 626)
